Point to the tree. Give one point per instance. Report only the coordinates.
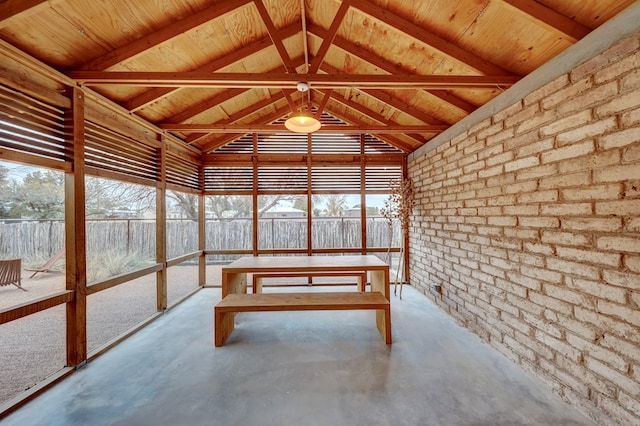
(40, 195)
(187, 204)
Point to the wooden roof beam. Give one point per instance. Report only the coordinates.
(238, 115)
(288, 81)
(275, 37)
(330, 35)
(389, 67)
(419, 33)
(368, 113)
(140, 101)
(168, 32)
(549, 18)
(220, 98)
(13, 10)
(215, 144)
(278, 128)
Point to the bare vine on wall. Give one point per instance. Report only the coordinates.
(399, 206)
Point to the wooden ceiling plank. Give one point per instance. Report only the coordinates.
(140, 101)
(331, 34)
(549, 18)
(389, 67)
(419, 33)
(280, 81)
(11, 11)
(139, 46)
(275, 37)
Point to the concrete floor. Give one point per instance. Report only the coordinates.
(300, 368)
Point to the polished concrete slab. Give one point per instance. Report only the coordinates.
(300, 368)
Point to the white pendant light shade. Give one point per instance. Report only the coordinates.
(302, 122)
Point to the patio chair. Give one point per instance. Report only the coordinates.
(10, 272)
(47, 266)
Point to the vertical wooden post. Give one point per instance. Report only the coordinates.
(75, 232)
(363, 194)
(161, 226)
(405, 234)
(202, 259)
(309, 200)
(255, 194)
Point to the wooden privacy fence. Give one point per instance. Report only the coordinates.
(40, 239)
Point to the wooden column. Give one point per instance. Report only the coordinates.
(363, 194)
(75, 230)
(405, 241)
(309, 200)
(161, 227)
(255, 194)
(202, 259)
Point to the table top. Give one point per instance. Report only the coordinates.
(305, 263)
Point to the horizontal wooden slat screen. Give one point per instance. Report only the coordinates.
(228, 178)
(378, 178)
(282, 179)
(332, 179)
(243, 145)
(373, 145)
(283, 143)
(182, 173)
(112, 151)
(30, 126)
(328, 143)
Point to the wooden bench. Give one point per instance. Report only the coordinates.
(224, 311)
(256, 279)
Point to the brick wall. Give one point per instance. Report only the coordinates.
(530, 222)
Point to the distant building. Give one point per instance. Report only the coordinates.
(283, 211)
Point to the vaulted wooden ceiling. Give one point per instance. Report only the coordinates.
(211, 71)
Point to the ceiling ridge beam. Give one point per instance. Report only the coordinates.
(549, 18)
(276, 80)
(377, 61)
(168, 32)
(419, 33)
(149, 96)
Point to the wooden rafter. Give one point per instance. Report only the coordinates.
(389, 67)
(419, 33)
(275, 37)
(549, 18)
(331, 34)
(11, 10)
(168, 32)
(279, 81)
(352, 105)
(149, 96)
(323, 103)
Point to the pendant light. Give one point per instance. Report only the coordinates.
(302, 121)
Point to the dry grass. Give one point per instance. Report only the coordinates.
(33, 347)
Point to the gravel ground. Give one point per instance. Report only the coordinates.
(33, 348)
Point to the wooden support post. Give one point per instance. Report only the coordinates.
(161, 228)
(75, 230)
(363, 196)
(202, 259)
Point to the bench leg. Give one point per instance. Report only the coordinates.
(383, 321)
(223, 324)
